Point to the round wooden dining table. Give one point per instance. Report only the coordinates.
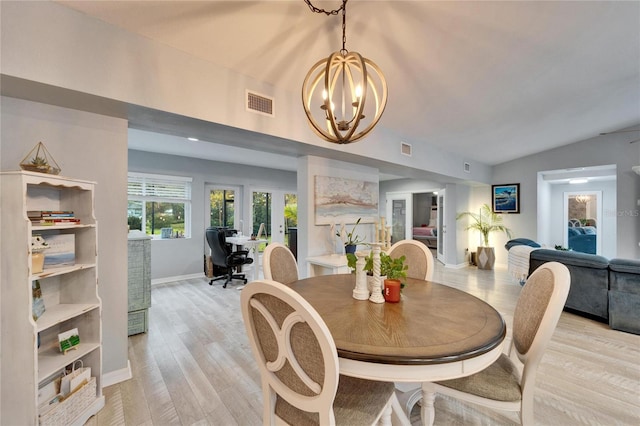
(434, 333)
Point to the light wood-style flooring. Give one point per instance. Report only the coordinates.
(194, 366)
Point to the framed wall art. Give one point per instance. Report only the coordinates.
(505, 198)
(340, 200)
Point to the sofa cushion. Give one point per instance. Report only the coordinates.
(624, 276)
(625, 265)
(571, 258)
(623, 311)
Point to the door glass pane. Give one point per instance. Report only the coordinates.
(441, 227)
(582, 222)
(399, 218)
(222, 208)
(262, 213)
(290, 211)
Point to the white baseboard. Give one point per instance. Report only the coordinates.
(456, 266)
(176, 278)
(117, 376)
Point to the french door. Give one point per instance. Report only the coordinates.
(277, 210)
(442, 226)
(400, 215)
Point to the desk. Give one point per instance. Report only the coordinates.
(252, 246)
(336, 263)
(435, 332)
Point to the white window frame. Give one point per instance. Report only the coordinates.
(151, 191)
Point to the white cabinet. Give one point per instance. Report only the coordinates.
(30, 354)
(139, 282)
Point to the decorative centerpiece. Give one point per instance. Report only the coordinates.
(391, 272)
(39, 160)
(38, 246)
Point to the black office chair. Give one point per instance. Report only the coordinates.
(224, 258)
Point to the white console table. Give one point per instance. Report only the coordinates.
(327, 264)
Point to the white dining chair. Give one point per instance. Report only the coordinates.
(508, 384)
(279, 264)
(418, 258)
(298, 363)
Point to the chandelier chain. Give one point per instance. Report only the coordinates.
(342, 8)
(326, 12)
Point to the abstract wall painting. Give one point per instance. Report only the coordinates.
(506, 198)
(339, 200)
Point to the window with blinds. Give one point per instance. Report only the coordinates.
(159, 205)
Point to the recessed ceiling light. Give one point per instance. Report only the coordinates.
(576, 181)
(193, 139)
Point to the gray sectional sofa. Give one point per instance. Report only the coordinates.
(624, 295)
(602, 289)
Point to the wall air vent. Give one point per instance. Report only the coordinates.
(467, 167)
(260, 103)
(405, 149)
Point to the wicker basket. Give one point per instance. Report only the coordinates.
(68, 410)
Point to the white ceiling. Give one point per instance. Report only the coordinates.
(499, 79)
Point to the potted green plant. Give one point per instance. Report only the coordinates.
(485, 222)
(395, 270)
(351, 239)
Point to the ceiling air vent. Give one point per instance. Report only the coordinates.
(405, 148)
(467, 167)
(260, 104)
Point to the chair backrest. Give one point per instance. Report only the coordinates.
(217, 243)
(279, 264)
(296, 354)
(536, 315)
(418, 258)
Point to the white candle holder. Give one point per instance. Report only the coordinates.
(376, 288)
(361, 292)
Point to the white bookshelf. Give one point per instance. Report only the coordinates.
(70, 293)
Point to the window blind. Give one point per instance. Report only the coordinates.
(159, 187)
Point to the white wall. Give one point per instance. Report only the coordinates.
(602, 150)
(173, 258)
(91, 147)
(314, 239)
(52, 44)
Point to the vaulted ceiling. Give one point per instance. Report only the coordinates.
(504, 79)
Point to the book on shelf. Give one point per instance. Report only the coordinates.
(52, 217)
(56, 221)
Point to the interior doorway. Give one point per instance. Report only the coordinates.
(583, 214)
(415, 215)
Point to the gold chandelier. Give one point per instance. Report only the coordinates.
(347, 80)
